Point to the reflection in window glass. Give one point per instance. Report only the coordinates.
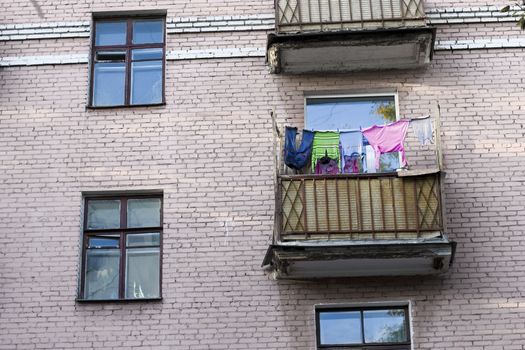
(341, 327)
(110, 33)
(148, 31)
(144, 212)
(108, 84)
(142, 273)
(388, 162)
(102, 274)
(384, 326)
(146, 54)
(146, 82)
(143, 239)
(103, 214)
(103, 242)
(368, 327)
(349, 113)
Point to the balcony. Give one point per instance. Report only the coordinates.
(314, 36)
(359, 225)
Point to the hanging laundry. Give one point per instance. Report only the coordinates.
(387, 138)
(326, 143)
(423, 130)
(297, 158)
(327, 166)
(369, 162)
(351, 148)
(351, 163)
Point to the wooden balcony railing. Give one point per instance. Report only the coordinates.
(332, 15)
(359, 207)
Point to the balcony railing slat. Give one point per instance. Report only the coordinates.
(416, 207)
(392, 192)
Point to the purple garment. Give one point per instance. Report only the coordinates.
(388, 138)
(351, 164)
(329, 168)
(351, 148)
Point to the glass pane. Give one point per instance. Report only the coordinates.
(142, 273)
(389, 162)
(144, 212)
(349, 113)
(143, 239)
(148, 31)
(108, 84)
(103, 242)
(146, 54)
(342, 327)
(385, 326)
(146, 82)
(103, 214)
(102, 274)
(110, 33)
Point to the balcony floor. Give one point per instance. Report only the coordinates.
(347, 51)
(326, 259)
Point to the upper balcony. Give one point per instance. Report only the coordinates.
(315, 36)
(294, 16)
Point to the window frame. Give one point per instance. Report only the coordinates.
(318, 95)
(122, 231)
(364, 346)
(321, 95)
(127, 47)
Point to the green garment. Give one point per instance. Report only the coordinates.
(325, 143)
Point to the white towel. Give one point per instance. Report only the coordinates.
(423, 130)
(370, 159)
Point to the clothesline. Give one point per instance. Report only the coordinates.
(345, 148)
(357, 130)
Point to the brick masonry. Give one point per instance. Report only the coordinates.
(179, 25)
(209, 150)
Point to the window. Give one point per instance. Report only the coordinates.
(352, 113)
(122, 239)
(127, 62)
(363, 328)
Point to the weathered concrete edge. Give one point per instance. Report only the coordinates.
(225, 53)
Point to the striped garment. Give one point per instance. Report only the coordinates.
(325, 142)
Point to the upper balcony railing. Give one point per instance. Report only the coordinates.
(333, 15)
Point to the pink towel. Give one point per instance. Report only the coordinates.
(388, 138)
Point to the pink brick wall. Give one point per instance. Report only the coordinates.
(209, 150)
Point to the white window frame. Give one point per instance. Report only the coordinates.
(394, 94)
(353, 95)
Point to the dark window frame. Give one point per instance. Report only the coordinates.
(364, 346)
(128, 47)
(122, 231)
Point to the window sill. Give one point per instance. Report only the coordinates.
(90, 301)
(127, 106)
